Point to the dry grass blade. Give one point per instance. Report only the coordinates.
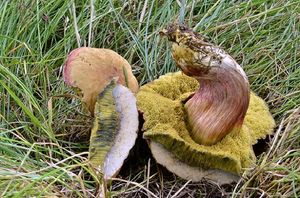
(181, 189)
(137, 185)
(73, 11)
(92, 13)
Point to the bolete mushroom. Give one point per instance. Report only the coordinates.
(200, 119)
(103, 77)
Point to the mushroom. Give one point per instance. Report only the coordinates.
(103, 76)
(199, 120)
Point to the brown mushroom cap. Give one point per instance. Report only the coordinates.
(91, 69)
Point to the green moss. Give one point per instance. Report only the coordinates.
(161, 102)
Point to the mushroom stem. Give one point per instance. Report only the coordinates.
(219, 106)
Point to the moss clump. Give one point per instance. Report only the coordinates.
(162, 104)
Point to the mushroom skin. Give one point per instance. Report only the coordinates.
(221, 102)
(91, 69)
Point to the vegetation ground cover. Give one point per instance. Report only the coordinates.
(44, 131)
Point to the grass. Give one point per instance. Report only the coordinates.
(43, 132)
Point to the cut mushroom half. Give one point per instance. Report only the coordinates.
(115, 129)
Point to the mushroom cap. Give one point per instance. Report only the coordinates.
(162, 104)
(91, 69)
